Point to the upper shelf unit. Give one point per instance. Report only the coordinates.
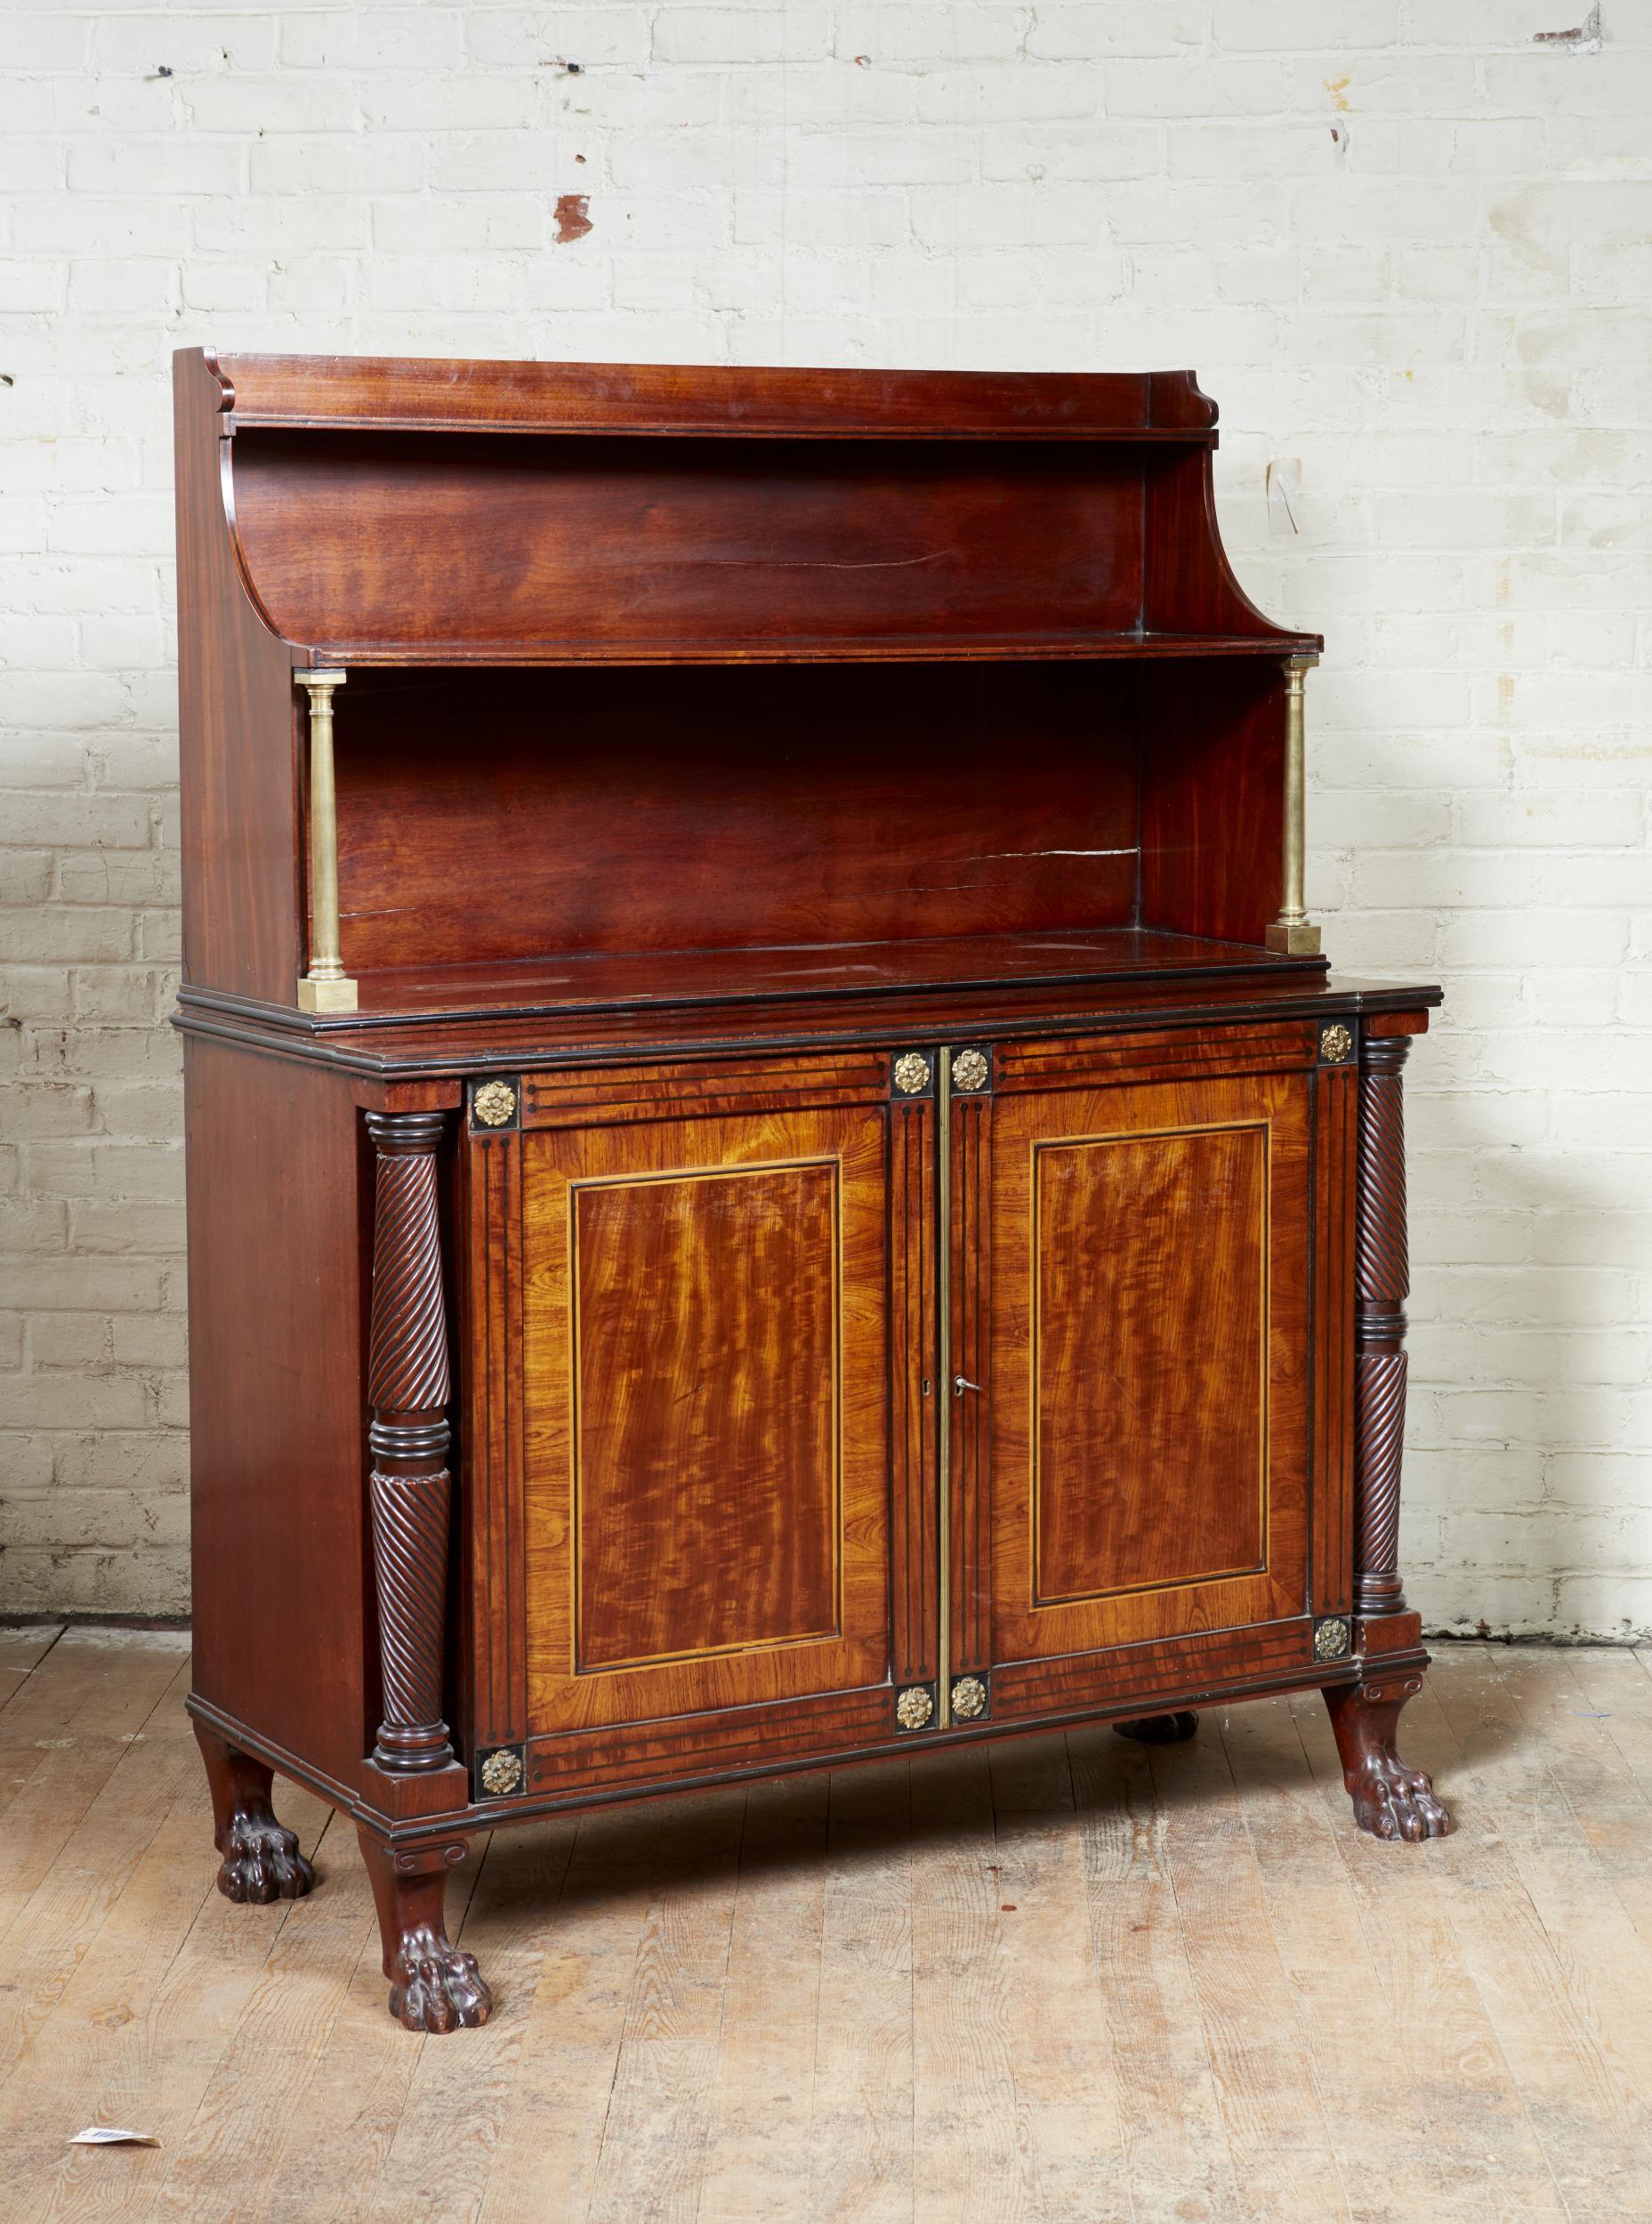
(388, 511)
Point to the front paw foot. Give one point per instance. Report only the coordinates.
(1392, 1802)
(1397, 1803)
(439, 1988)
(262, 1862)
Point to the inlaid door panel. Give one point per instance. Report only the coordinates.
(1147, 1396)
(703, 1361)
(1149, 1359)
(705, 1457)
(683, 1501)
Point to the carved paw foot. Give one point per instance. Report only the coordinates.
(1390, 1800)
(1396, 1803)
(437, 1987)
(262, 1862)
(1160, 1730)
(433, 1987)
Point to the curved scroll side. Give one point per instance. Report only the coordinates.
(1189, 584)
(1176, 399)
(236, 723)
(226, 384)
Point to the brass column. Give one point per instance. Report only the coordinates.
(1292, 933)
(325, 987)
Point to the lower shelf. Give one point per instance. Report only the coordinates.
(602, 980)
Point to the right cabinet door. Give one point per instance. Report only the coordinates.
(1142, 1493)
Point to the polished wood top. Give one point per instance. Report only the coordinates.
(492, 1031)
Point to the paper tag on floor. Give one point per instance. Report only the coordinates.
(109, 2135)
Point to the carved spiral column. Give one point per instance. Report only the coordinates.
(1381, 1285)
(408, 1389)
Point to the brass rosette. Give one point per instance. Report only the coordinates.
(1334, 1044)
(501, 1772)
(493, 1104)
(914, 1707)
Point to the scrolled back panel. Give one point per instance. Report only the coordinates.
(517, 548)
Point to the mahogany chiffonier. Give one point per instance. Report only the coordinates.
(776, 1175)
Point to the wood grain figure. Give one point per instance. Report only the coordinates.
(840, 1220)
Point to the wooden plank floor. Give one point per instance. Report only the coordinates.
(1067, 1978)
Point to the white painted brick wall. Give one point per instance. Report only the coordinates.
(1404, 245)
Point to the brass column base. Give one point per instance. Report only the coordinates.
(1299, 941)
(327, 995)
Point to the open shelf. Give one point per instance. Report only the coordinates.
(846, 742)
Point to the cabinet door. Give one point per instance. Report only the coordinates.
(686, 1288)
(1148, 1338)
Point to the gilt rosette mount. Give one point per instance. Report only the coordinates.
(1334, 1638)
(915, 1707)
(495, 1103)
(1336, 1044)
(501, 1771)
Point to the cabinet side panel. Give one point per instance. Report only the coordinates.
(275, 1314)
(236, 731)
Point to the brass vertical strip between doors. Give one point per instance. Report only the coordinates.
(943, 1380)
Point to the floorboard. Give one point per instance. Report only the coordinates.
(1074, 1981)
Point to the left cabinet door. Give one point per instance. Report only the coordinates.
(695, 1313)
